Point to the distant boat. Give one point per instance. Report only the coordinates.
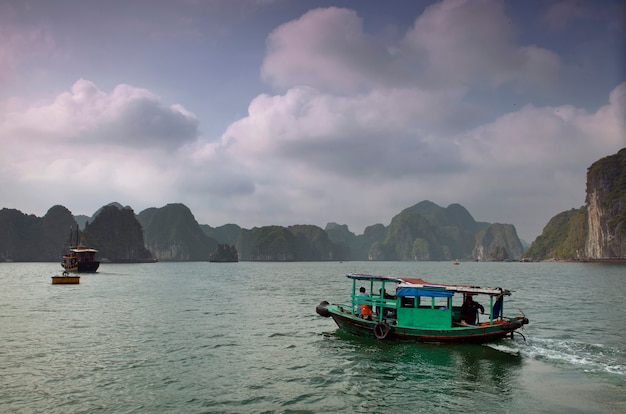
(66, 279)
(80, 258)
(456, 262)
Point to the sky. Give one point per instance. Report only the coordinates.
(283, 112)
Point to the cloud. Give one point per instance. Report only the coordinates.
(474, 42)
(344, 112)
(541, 139)
(384, 133)
(327, 49)
(127, 142)
(86, 116)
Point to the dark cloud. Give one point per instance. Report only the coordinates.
(382, 157)
(147, 122)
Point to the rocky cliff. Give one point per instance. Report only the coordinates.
(285, 244)
(172, 233)
(224, 253)
(27, 238)
(427, 231)
(563, 238)
(117, 235)
(498, 242)
(606, 208)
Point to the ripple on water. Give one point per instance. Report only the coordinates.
(134, 338)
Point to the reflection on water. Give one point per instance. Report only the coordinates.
(407, 373)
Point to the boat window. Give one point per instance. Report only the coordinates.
(441, 303)
(432, 302)
(408, 301)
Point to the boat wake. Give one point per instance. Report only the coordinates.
(508, 348)
(596, 358)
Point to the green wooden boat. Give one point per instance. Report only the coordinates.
(422, 311)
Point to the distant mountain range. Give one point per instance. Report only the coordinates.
(424, 231)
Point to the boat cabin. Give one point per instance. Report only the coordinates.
(425, 307)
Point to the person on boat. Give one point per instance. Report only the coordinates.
(469, 310)
(359, 300)
(386, 295)
(383, 294)
(361, 308)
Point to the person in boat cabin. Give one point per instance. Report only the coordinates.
(383, 294)
(469, 310)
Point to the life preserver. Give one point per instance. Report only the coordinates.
(321, 309)
(366, 310)
(381, 330)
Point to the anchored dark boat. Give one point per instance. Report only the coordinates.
(80, 258)
(422, 311)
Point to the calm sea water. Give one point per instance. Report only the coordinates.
(244, 337)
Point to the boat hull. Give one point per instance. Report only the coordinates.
(461, 334)
(65, 280)
(88, 267)
(85, 266)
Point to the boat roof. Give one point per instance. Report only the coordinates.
(420, 283)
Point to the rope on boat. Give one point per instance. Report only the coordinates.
(519, 333)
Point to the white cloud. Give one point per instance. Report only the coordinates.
(385, 133)
(327, 49)
(128, 116)
(474, 42)
(94, 143)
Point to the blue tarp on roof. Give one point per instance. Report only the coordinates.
(413, 291)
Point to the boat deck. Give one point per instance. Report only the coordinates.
(65, 280)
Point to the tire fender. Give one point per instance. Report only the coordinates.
(381, 330)
(321, 309)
